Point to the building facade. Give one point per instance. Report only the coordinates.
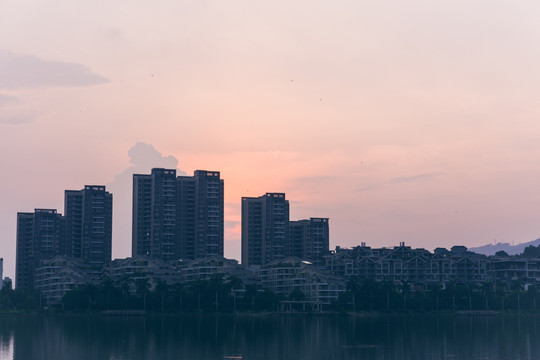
(154, 214)
(200, 209)
(130, 272)
(40, 236)
(404, 264)
(88, 217)
(318, 287)
(56, 276)
(177, 217)
(213, 267)
(265, 228)
(514, 270)
(309, 239)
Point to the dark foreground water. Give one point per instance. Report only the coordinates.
(25, 337)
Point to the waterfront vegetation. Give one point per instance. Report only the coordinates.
(226, 296)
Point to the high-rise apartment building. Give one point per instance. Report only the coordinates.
(177, 217)
(200, 214)
(309, 239)
(141, 224)
(88, 216)
(265, 228)
(154, 214)
(40, 235)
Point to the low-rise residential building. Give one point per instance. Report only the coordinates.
(318, 287)
(215, 266)
(514, 269)
(129, 272)
(404, 264)
(294, 280)
(60, 274)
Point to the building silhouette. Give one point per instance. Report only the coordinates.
(200, 214)
(154, 214)
(265, 228)
(309, 239)
(85, 232)
(88, 218)
(40, 235)
(177, 217)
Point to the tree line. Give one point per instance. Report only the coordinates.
(368, 295)
(220, 295)
(214, 295)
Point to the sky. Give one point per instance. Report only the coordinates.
(414, 121)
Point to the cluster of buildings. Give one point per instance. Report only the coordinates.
(178, 225)
(177, 237)
(177, 217)
(181, 217)
(421, 268)
(83, 232)
(268, 234)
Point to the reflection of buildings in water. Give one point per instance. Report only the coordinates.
(6, 347)
(264, 337)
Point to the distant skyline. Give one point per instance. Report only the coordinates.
(407, 121)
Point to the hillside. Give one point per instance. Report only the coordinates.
(491, 249)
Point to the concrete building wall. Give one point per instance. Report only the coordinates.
(265, 228)
(309, 239)
(200, 214)
(178, 217)
(142, 215)
(88, 214)
(39, 236)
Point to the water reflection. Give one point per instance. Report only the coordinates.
(6, 345)
(268, 337)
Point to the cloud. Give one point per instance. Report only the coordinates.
(145, 156)
(316, 180)
(142, 157)
(368, 187)
(404, 179)
(15, 115)
(229, 224)
(7, 100)
(25, 71)
(114, 34)
(15, 120)
(398, 180)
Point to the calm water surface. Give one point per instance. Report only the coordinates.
(25, 337)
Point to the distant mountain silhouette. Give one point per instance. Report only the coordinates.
(491, 249)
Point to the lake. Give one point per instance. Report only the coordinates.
(259, 337)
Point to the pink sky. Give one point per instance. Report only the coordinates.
(412, 121)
